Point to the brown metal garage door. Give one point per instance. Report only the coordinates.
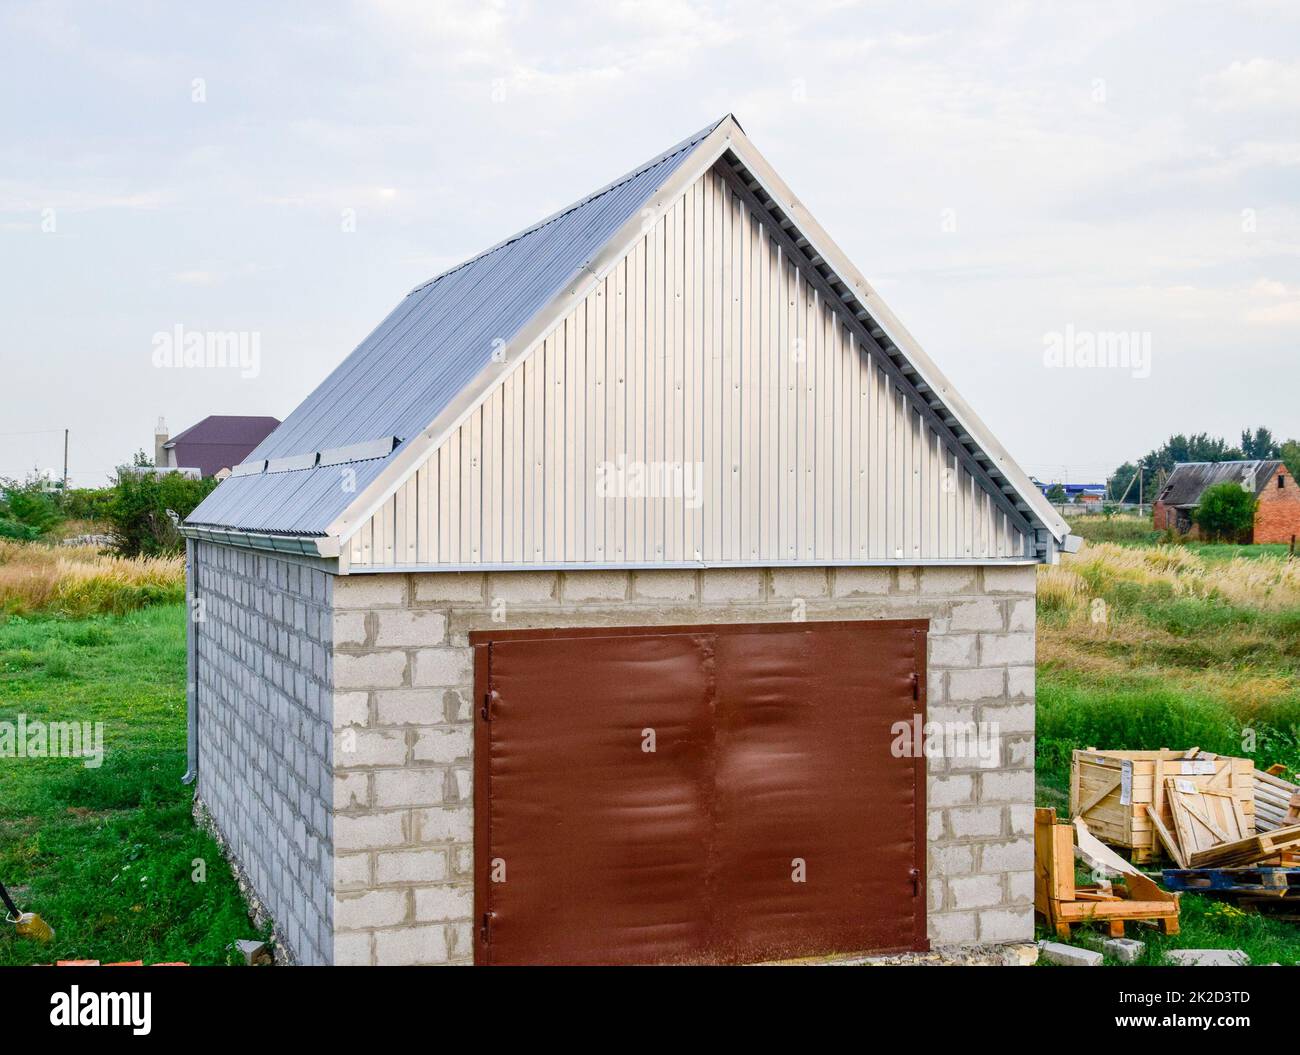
(698, 794)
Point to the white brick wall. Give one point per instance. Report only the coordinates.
(403, 793)
(264, 658)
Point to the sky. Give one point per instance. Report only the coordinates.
(1020, 182)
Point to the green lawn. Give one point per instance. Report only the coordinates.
(109, 856)
(1138, 531)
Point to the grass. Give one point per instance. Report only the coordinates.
(1138, 531)
(1141, 647)
(109, 856)
(79, 580)
(1124, 529)
(1204, 923)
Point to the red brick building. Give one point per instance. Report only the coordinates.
(1277, 518)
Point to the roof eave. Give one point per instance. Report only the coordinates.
(325, 546)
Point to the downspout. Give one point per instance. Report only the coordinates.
(191, 672)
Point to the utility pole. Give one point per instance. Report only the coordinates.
(65, 461)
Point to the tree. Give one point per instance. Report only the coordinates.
(1056, 493)
(1259, 445)
(1197, 447)
(1289, 452)
(140, 511)
(1120, 480)
(1226, 511)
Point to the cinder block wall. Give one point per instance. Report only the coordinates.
(403, 728)
(263, 650)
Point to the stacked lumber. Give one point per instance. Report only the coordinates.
(1123, 795)
(1063, 904)
(1277, 801)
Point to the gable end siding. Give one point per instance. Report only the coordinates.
(703, 357)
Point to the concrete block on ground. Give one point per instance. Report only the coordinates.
(1067, 955)
(1207, 958)
(254, 951)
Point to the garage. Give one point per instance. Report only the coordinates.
(712, 794)
(570, 619)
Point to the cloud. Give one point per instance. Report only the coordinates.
(29, 198)
(1275, 304)
(1256, 84)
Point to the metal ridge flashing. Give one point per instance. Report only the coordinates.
(367, 450)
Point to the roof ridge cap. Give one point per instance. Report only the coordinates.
(686, 143)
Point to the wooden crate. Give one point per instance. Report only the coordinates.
(1062, 905)
(1112, 789)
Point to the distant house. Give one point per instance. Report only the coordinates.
(213, 446)
(1075, 492)
(1277, 518)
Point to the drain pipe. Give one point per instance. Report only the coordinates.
(191, 672)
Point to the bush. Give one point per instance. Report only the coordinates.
(88, 503)
(1226, 512)
(138, 511)
(27, 510)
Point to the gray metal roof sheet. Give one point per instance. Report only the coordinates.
(430, 346)
(1189, 480)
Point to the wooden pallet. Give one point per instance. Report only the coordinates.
(1277, 801)
(1260, 882)
(1063, 905)
(1249, 851)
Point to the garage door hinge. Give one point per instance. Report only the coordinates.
(487, 707)
(916, 685)
(915, 873)
(485, 927)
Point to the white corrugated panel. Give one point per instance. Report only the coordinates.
(707, 368)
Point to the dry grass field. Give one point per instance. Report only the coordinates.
(80, 580)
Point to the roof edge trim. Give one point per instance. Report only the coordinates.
(574, 289)
(307, 545)
(696, 137)
(725, 135)
(930, 374)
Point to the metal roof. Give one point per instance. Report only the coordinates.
(418, 359)
(453, 339)
(1189, 480)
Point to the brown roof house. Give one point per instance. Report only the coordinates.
(214, 446)
(1277, 518)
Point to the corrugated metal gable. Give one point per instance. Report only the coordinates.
(440, 337)
(704, 355)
